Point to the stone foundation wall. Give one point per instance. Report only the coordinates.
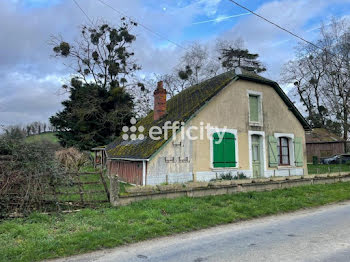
(199, 189)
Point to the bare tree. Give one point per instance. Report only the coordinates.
(321, 77)
(307, 74)
(335, 41)
(102, 56)
(195, 59)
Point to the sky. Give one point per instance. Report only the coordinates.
(31, 79)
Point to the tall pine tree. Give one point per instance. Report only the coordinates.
(235, 57)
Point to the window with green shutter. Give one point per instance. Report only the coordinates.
(253, 108)
(224, 151)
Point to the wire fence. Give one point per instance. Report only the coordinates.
(324, 169)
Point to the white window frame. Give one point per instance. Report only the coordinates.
(218, 130)
(260, 98)
(291, 149)
(262, 134)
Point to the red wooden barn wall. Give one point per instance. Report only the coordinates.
(128, 171)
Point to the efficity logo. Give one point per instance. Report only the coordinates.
(130, 132)
(157, 133)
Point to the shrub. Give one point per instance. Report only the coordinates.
(227, 176)
(27, 175)
(71, 159)
(240, 175)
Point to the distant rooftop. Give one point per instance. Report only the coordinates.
(322, 135)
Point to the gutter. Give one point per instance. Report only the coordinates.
(127, 159)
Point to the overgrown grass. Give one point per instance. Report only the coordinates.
(42, 236)
(323, 169)
(49, 136)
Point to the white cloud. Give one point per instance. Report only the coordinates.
(31, 79)
(210, 6)
(220, 18)
(29, 99)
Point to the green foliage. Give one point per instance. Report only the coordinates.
(42, 236)
(240, 175)
(8, 139)
(48, 136)
(185, 74)
(92, 116)
(235, 57)
(227, 176)
(63, 49)
(99, 105)
(102, 55)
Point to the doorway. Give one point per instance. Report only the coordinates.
(257, 156)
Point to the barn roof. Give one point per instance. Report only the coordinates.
(322, 135)
(182, 107)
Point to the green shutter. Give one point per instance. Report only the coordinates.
(218, 151)
(224, 154)
(298, 151)
(254, 108)
(229, 150)
(273, 155)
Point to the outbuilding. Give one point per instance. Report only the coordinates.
(322, 143)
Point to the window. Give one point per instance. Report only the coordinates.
(254, 108)
(283, 151)
(224, 150)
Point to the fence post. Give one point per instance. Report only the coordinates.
(114, 189)
(80, 186)
(104, 184)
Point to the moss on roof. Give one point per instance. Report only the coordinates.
(181, 108)
(322, 135)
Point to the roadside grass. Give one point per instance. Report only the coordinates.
(42, 236)
(49, 136)
(323, 169)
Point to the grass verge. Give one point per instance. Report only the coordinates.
(41, 236)
(323, 169)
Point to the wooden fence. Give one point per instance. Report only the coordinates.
(75, 190)
(82, 189)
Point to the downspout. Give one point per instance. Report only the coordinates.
(143, 172)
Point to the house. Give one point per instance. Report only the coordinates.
(237, 122)
(322, 143)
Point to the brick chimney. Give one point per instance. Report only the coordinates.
(159, 101)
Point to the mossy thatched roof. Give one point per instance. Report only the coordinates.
(181, 108)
